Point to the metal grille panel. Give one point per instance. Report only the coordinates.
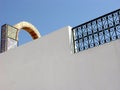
(96, 32)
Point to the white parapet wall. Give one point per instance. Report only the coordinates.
(48, 64)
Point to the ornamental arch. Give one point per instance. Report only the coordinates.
(29, 28)
(9, 34)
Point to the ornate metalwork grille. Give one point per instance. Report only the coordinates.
(97, 31)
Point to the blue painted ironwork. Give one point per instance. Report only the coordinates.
(96, 32)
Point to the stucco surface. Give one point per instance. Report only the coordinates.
(48, 64)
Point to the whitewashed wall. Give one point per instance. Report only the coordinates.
(48, 64)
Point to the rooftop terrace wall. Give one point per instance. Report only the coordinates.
(48, 64)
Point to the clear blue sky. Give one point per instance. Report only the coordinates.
(50, 15)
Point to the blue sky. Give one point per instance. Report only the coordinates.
(50, 15)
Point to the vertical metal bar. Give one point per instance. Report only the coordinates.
(103, 29)
(73, 40)
(98, 31)
(110, 37)
(114, 26)
(78, 40)
(119, 16)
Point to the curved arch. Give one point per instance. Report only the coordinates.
(29, 28)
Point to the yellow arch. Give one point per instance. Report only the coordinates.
(29, 28)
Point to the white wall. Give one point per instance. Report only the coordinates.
(48, 64)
